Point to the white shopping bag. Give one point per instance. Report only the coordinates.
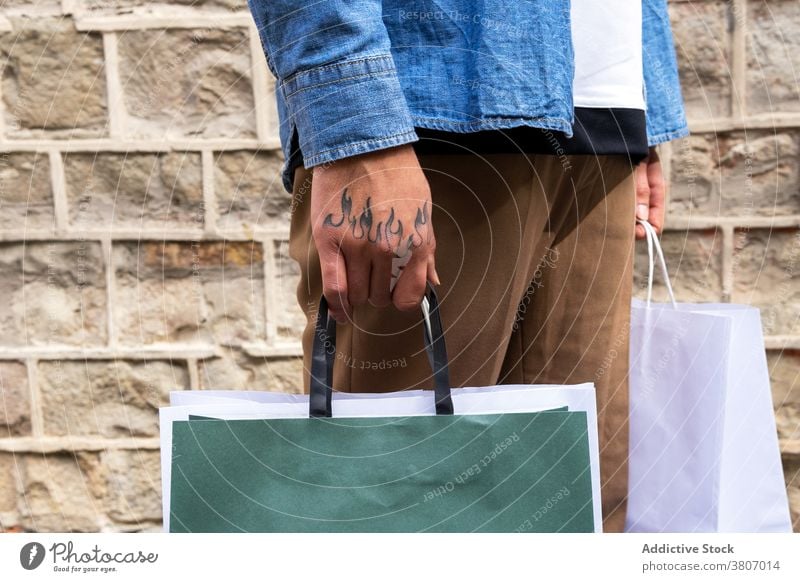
(704, 453)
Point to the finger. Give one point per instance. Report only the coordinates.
(334, 284)
(642, 197)
(658, 198)
(410, 286)
(432, 275)
(358, 275)
(380, 280)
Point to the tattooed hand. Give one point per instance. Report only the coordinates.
(365, 210)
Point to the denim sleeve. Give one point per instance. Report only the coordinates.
(666, 118)
(335, 74)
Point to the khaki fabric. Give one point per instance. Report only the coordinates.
(534, 253)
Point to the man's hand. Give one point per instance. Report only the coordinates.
(365, 210)
(650, 193)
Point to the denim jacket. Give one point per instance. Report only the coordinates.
(355, 76)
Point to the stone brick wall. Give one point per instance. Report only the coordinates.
(143, 229)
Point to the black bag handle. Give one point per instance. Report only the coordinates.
(324, 351)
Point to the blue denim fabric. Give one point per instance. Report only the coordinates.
(666, 118)
(355, 76)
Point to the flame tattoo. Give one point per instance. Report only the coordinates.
(347, 205)
(362, 226)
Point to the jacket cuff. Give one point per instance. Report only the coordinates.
(654, 140)
(349, 108)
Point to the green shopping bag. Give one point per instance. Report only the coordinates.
(521, 471)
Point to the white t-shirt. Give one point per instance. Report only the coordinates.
(607, 39)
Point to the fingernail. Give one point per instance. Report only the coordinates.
(436, 277)
(642, 211)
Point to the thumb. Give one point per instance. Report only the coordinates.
(642, 197)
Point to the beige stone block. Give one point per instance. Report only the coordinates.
(745, 174)
(695, 174)
(290, 318)
(766, 271)
(54, 82)
(784, 372)
(235, 370)
(249, 190)
(188, 83)
(791, 472)
(760, 174)
(9, 516)
(205, 292)
(134, 190)
(107, 398)
(773, 53)
(61, 493)
(15, 401)
(703, 47)
(53, 293)
(133, 485)
(26, 198)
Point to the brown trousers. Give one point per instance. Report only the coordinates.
(534, 254)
